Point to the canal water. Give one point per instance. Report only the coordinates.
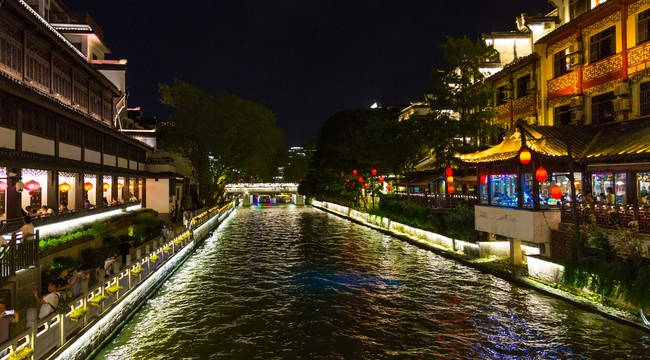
(299, 283)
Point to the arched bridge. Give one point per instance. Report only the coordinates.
(248, 190)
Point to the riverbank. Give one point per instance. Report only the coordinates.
(469, 255)
(96, 315)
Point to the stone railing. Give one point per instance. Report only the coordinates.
(71, 332)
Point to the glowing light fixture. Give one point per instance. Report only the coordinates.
(365, 185)
(525, 156)
(388, 187)
(130, 187)
(140, 186)
(120, 185)
(449, 172)
(88, 186)
(354, 172)
(541, 174)
(3, 186)
(381, 179)
(360, 179)
(556, 192)
(483, 179)
(64, 187)
(106, 186)
(450, 189)
(374, 172)
(450, 179)
(32, 185)
(342, 174)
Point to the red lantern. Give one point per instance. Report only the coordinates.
(341, 174)
(541, 174)
(354, 172)
(525, 156)
(450, 189)
(556, 192)
(64, 187)
(483, 179)
(3, 186)
(31, 192)
(381, 179)
(449, 172)
(360, 179)
(88, 186)
(450, 179)
(140, 186)
(374, 172)
(388, 187)
(120, 185)
(106, 186)
(365, 185)
(32, 185)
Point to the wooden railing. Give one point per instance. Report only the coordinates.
(609, 216)
(19, 254)
(446, 201)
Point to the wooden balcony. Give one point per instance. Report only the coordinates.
(603, 71)
(562, 85)
(438, 201)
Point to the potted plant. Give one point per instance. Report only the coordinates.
(95, 301)
(113, 289)
(167, 249)
(78, 313)
(23, 353)
(136, 271)
(154, 258)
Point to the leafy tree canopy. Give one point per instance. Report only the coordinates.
(223, 136)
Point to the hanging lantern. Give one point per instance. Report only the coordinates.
(450, 179)
(130, 186)
(32, 185)
(88, 186)
(140, 186)
(106, 186)
(3, 186)
(347, 180)
(354, 172)
(541, 174)
(31, 192)
(483, 179)
(388, 187)
(341, 174)
(556, 192)
(525, 156)
(120, 185)
(450, 189)
(360, 179)
(365, 185)
(374, 172)
(64, 187)
(381, 179)
(449, 172)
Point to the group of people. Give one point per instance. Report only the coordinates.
(61, 288)
(602, 198)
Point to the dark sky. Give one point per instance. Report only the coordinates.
(303, 59)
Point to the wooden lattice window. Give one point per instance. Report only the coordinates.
(110, 146)
(644, 99)
(95, 100)
(123, 151)
(38, 122)
(561, 63)
(70, 133)
(643, 27)
(93, 140)
(11, 48)
(107, 115)
(7, 112)
(62, 81)
(602, 45)
(80, 91)
(37, 64)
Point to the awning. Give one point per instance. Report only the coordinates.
(424, 180)
(466, 180)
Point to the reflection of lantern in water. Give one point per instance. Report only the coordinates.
(556, 192)
(88, 186)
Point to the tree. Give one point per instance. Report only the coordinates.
(459, 87)
(223, 136)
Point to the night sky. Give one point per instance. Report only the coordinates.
(303, 59)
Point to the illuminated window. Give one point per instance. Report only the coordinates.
(561, 63)
(601, 181)
(602, 44)
(643, 184)
(643, 27)
(504, 189)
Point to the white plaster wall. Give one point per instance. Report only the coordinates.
(545, 270)
(93, 156)
(533, 226)
(133, 165)
(110, 160)
(497, 248)
(37, 144)
(122, 162)
(69, 151)
(7, 138)
(158, 195)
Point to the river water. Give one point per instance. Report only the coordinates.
(299, 283)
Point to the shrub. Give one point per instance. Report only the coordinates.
(407, 213)
(101, 229)
(146, 227)
(459, 223)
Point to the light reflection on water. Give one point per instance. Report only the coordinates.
(298, 283)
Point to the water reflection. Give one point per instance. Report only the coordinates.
(297, 283)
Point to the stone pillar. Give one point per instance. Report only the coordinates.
(138, 254)
(515, 251)
(116, 268)
(128, 260)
